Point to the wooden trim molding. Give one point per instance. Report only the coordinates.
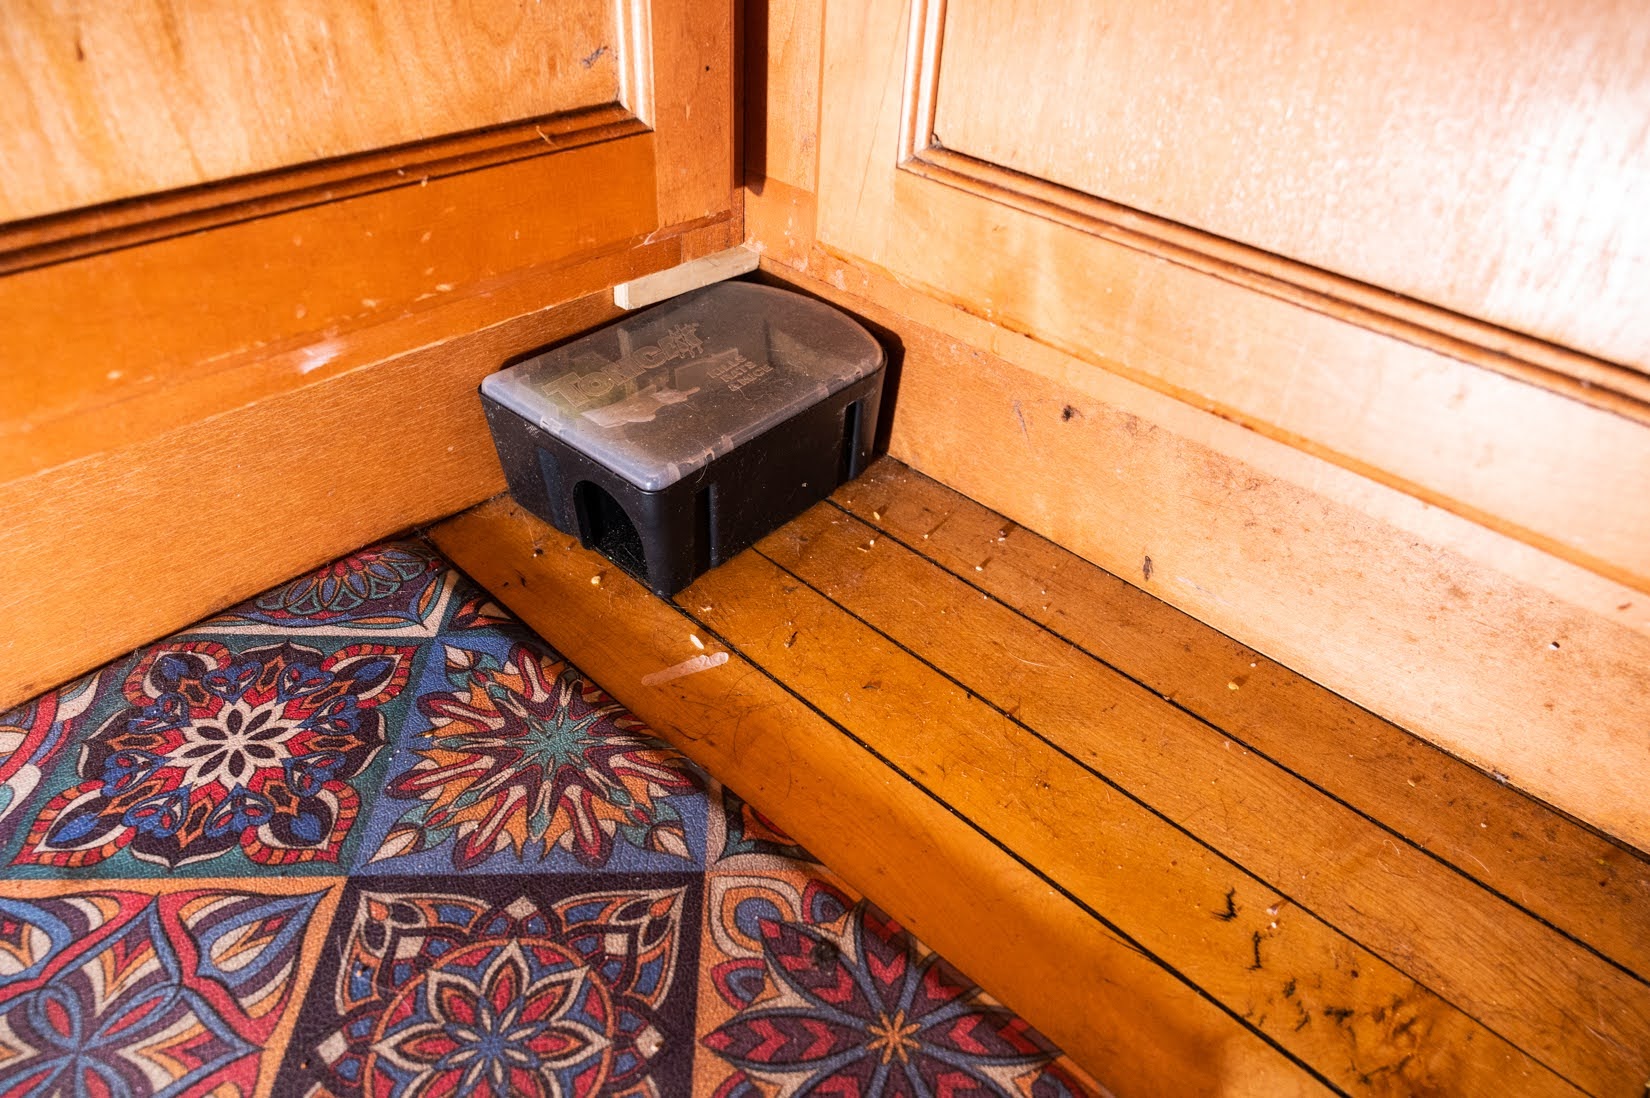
(54, 238)
(1595, 381)
(41, 241)
(1532, 455)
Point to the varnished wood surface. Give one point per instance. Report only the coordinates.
(191, 412)
(55, 239)
(1487, 158)
(110, 551)
(1421, 525)
(1412, 413)
(954, 885)
(108, 101)
(1592, 889)
(1415, 523)
(143, 336)
(978, 667)
(1469, 639)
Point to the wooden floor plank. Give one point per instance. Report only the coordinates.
(1118, 1012)
(1564, 1004)
(1594, 889)
(1361, 1023)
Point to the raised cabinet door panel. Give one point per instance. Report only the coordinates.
(261, 255)
(1488, 157)
(102, 102)
(1398, 253)
(1520, 435)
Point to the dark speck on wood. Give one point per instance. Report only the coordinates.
(1231, 907)
(1146, 568)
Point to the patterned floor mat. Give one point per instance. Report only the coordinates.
(367, 834)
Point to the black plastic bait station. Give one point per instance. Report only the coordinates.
(679, 436)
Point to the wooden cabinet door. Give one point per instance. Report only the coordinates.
(1332, 324)
(256, 257)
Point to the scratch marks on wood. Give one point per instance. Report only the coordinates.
(1206, 593)
(1021, 416)
(686, 667)
(592, 57)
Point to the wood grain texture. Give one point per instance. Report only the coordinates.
(110, 551)
(1438, 624)
(76, 233)
(1274, 963)
(782, 110)
(1118, 1013)
(186, 319)
(694, 110)
(1515, 456)
(1590, 888)
(103, 102)
(1562, 370)
(1563, 1004)
(1488, 158)
(163, 391)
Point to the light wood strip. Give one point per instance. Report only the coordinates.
(1365, 1026)
(1592, 888)
(1561, 1003)
(1119, 1014)
(1467, 638)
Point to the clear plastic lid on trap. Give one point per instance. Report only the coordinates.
(663, 393)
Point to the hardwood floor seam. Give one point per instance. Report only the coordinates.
(1121, 935)
(1129, 795)
(1235, 738)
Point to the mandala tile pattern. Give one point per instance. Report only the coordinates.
(524, 755)
(747, 831)
(118, 992)
(822, 995)
(219, 749)
(533, 894)
(510, 990)
(381, 588)
(32, 738)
